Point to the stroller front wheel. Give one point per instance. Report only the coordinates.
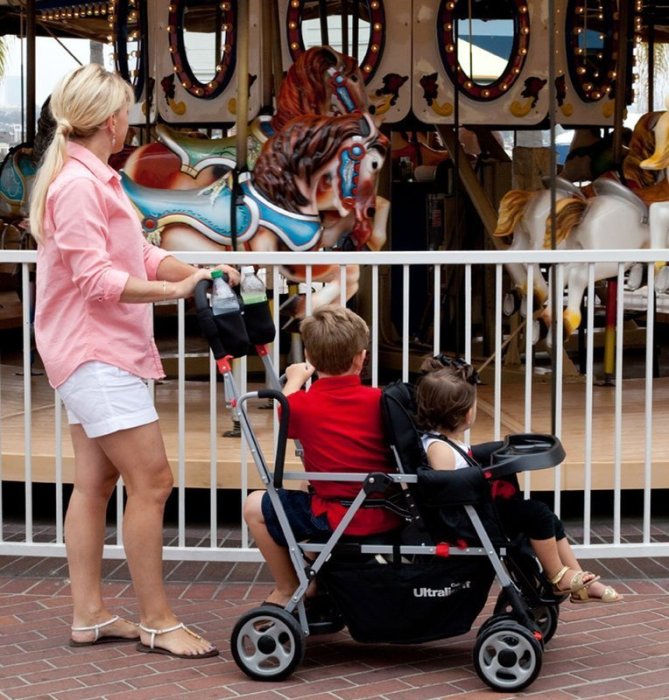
(267, 643)
(507, 656)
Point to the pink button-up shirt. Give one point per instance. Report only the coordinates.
(92, 243)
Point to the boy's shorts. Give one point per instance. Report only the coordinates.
(303, 523)
(105, 399)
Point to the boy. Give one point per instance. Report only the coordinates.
(338, 422)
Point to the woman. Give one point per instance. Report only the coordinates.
(96, 278)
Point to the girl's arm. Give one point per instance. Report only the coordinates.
(440, 455)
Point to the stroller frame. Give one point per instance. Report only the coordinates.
(268, 642)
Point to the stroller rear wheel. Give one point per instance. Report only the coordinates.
(507, 656)
(267, 643)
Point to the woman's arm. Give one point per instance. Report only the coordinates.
(176, 280)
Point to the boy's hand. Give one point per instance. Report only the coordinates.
(296, 376)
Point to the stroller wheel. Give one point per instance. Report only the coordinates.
(507, 656)
(546, 616)
(267, 643)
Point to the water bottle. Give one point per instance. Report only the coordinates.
(223, 299)
(257, 314)
(251, 287)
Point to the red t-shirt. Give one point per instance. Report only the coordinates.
(338, 422)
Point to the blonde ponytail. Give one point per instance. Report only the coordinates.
(80, 104)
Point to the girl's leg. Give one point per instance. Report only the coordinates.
(276, 556)
(139, 456)
(94, 481)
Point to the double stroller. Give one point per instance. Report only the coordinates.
(437, 570)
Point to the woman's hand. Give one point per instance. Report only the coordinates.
(231, 272)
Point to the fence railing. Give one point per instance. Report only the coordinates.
(611, 418)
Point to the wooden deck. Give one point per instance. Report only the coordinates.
(228, 472)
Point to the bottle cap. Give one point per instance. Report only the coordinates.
(216, 274)
(248, 270)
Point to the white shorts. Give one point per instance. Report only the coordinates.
(105, 399)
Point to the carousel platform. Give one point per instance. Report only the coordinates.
(226, 472)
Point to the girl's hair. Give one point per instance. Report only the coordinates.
(80, 104)
(332, 337)
(445, 393)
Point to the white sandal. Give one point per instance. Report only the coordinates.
(151, 648)
(97, 639)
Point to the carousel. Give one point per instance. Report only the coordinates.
(370, 125)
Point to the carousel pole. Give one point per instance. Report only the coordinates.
(275, 43)
(31, 107)
(241, 147)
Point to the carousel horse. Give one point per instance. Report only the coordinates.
(321, 81)
(522, 215)
(314, 165)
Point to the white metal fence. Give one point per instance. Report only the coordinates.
(614, 434)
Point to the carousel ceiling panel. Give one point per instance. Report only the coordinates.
(133, 62)
(494, 51)
(195, 48)
(377, 33)
(588, 43)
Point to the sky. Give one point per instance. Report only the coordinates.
(53, 61)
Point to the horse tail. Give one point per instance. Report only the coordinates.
(568, 214)
(511, 209)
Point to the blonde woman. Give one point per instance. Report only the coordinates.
(96, 278)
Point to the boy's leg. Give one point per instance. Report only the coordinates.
(276, 556)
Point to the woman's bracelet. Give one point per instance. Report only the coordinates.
(164, 290)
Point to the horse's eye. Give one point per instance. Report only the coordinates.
(354, 78)
(375, 166)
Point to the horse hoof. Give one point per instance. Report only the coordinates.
(510, 304)
(636, 277)
(662, 280)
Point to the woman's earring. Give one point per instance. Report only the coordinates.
(113, 143)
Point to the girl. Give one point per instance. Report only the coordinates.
(446, 408)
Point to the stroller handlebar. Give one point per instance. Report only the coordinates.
(280, 457)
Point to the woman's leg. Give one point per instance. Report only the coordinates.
(139, 455)
(94, 481)
(276, 556)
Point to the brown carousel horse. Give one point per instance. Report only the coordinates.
(321, 81)
(314, 165)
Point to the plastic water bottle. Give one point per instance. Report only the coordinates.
(223, 299)
(251, 287)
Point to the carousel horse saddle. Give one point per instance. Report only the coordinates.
(196, 153)
(16, 169)
(564, 186)
(608, 186)
(208, 211)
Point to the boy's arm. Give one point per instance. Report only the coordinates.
(296, 377)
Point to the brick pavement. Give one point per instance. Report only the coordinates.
(618, 651)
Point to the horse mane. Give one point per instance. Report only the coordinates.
(511, 209)
(568, 214)
(641, 147)
(304, 90)
(298, 151)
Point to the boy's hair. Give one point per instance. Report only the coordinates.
(445, 394)
(332, 337)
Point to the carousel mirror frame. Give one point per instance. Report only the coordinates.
(225, 67)
(591, 88)
(121, 32)
(446, 38)
(377, 36)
